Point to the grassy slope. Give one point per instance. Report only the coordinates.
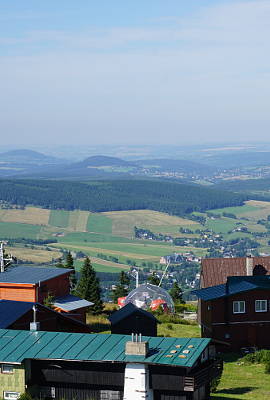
(16, 230)
(239, 381)
(99, 223)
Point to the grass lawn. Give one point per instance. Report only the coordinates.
(99, 223)
(246, 382)
(178, 330)
(59, 218)
(15, 230)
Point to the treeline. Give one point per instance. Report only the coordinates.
(255, 189)
(99, 196)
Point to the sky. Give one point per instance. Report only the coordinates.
(175, 72)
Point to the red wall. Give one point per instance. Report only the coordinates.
(248, 329)
(58, 287)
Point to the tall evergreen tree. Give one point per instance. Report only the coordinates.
(177, 294)
(154, 279)
(88, 287)
(70, 265)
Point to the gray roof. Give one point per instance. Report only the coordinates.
(70, 302)
(128, 310)
(32, 275)
(235, 284)
(10, 311)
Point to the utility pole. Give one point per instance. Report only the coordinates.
(5, 261)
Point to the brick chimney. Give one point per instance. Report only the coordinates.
(249, 266)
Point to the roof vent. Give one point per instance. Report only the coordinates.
(136, 347)
(34, 326)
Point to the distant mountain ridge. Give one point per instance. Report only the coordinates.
(26, 156)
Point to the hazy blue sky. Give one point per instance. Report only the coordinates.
(134, 71)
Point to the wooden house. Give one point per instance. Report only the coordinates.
(215, 271)
(58, 365)
(131, 319)
(237, 313)
(34, 284)
(21, 315)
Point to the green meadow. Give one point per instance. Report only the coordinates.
(16, 230)
(59, 218)
(99, 224)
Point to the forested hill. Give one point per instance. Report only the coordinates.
(98, 196)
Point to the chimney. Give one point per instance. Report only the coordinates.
(249, 266)
(136, 347)
(34, 326)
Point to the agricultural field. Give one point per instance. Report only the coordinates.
(99, 223)
(59, 218)
(29, 215)
(35, 254)
(123, 222)
(112, 233)
(18, 230)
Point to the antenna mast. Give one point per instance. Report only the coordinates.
(164, 273)
(5, 261)
(135, 274)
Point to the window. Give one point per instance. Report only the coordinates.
(239, 307)
(11, 395)
(7, 369)
(260, 305)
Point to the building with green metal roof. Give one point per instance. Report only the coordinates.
(59, 364)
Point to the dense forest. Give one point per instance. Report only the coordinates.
(99, 196)
(256, 189)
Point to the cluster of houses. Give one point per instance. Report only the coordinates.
(177, 258)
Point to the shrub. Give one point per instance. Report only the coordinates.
(25, 396)
(170, 327)
(258, 357)
(267, 367)
(173, 319)
(214, 384)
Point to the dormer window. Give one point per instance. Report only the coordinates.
(260, 305)
(239, 307)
